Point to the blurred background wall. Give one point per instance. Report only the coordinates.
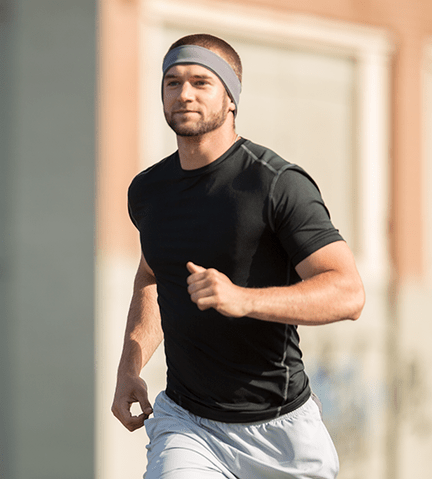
(342, 88)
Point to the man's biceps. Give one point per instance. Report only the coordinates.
(145, 273)
(333, 257)
(144, 265)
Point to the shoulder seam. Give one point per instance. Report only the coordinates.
(252, 154)
(275, 179)
(271, 191)
(277, 174)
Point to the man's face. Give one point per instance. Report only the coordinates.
(195, 100)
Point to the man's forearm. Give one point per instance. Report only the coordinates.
(143, 330)
(323, 299)
(142, 337)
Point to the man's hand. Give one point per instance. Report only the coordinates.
(209, 288)
(131, 389)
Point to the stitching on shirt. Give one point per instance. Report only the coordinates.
(277, 174)
(287, 374)
(258, 159)
(272, 188)
(273, 185)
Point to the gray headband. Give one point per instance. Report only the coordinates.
(193, 54)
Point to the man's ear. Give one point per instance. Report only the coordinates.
(231, 106)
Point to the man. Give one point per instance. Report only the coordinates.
(237, 250)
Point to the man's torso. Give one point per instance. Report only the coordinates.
(242, 215)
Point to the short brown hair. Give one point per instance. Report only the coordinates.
(216, 45)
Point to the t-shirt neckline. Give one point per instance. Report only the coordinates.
(211, 166)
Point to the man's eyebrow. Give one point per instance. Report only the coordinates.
(203, 77)
(170, 76)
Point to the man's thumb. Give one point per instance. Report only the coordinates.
(145, 404)
(194, 268)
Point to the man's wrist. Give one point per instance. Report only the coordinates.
(129, 369)
(248, 300)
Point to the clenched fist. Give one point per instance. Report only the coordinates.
(209, 288)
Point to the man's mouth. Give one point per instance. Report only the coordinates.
(185, 111)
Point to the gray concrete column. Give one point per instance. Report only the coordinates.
(47, 176)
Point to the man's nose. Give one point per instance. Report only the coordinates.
(186, 92)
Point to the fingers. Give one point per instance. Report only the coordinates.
(209, 288)
(201, 295)
(145, 406)
(123, 414)
(203, 285)
(198, 279)
(128, 393)
(132, 423)
(204, 303)
(198, 282)
(201, 277)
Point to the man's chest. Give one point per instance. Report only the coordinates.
(206, 223)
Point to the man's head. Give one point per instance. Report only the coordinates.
(216, 45)
(212, 57)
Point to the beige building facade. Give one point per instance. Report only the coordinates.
(344, 90)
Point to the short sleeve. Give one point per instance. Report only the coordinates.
(129, 205)
(131, 215)
(299, 216)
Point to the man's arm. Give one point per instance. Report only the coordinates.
(143, 335)
(331, 291)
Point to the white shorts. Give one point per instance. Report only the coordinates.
(184, 446)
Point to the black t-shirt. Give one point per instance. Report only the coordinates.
(253, 216)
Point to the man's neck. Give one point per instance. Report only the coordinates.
(198, 151)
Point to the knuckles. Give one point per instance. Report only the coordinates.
(129, 422)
